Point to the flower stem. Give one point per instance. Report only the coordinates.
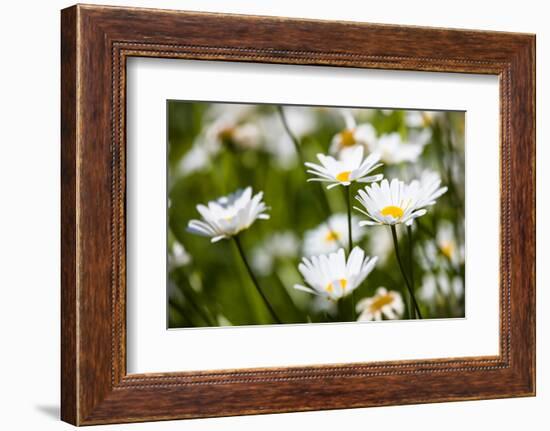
(254, 280)
(350, 245)
(410, 263)
(402, 269)
(348, 202)
(322, 200)
(292, 136)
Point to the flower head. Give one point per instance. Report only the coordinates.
(384, 303)
(436, 287)
(353, 135)
(229, 215)
(348, 168)
(329, 275)
(230, 128)
(447, 243)
(421, 118)
(330, 235)
(396, 202)
(389, 203)
(393, 149)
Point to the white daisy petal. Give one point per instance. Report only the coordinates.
(395, 202)
(332, 275)
(384, 304)
(229, 215)
(349, 167)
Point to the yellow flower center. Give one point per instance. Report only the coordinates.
(380, 302)
(332, 236)
(330, 287)
(343, 176)
(426, 120)
(346, 138)
(447, 248)
(395, 212)
(226, 134)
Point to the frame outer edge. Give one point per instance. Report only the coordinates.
(69, 197)
(88, 397)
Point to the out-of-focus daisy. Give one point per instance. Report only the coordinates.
(178, 256)
(393, 149)
(279, 245)
(331, 235)
(352, 135)
(196, 159)
(390, 203)
(231, 130)
(447, 243)
(350, 167)
(436, 287)
(421, 118)
(446, 248)
(277, 142)
(229, 215)
(384, 303)
(225, 125)
(331, 276)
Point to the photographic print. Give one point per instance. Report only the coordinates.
(284, 214)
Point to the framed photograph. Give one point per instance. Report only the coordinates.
(266, 215)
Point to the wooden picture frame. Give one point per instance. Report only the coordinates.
(96, 41)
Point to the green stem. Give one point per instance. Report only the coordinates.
(200, 311)
(348, 202)
(254, 280)
(322, 200)
(292, 136)
(350, 245)
(402, 269)
(410, 263)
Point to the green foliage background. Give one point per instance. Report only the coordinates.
(213, 289)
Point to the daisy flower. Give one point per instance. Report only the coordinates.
(447, 244)
(331, 235)
(436, 287)
(329, 275)
(350, 167)
(397, 202)
(229, 215)
(384, 303)
(421, 118)
(225, 125)
(390, 203)
(352, 135)
(231, 130)
(444, 250)
(393, 149)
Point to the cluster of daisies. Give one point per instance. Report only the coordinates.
(333, 267)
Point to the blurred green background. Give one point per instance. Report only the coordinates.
(216, 148)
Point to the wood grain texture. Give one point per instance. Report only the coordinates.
(96, 41)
